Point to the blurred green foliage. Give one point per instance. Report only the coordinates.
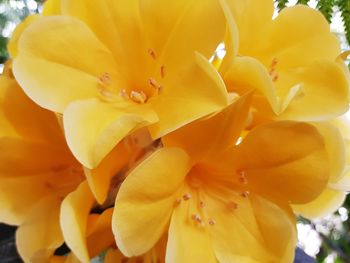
(11, 13)
(337, 241)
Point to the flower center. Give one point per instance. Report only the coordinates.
(152, 87)
(203, 198)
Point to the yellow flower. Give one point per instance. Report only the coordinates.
(112, 68)
(156, 254)
(337, 134)
(88, 235)
(225, 202)
(37, 171)
(42, 186)
(290, 61)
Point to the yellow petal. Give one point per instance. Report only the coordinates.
(280, 235)
(324, 92)
(30, 121)
(101, 236)
(187, 242)
(343, 184)
(122, 33)
(33, 187)
(52, 7)
(251, 16)
(247, 73)
(75, 210)
(71, 72)
(150, 190)
(40, 235)
(198, 92)
(7, 128)
(300, 47)
(186, 27)
(284, 160)
(132, 29)
(93, 128)
(252, 225)
(20, 157)
(325, 204)
(335, 147)
(231, 38)
(12, 46)
(99, 179)
(221, 131)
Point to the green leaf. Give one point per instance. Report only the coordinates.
(344, 7)
(326, 8)
(303, 2)
(281, 4)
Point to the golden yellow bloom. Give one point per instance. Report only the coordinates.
(296, 77)
(129, 73)
(156, 254)
(42, 186)
(225, 202)
(337, 145)
(37, 171)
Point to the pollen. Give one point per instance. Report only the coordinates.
(105, 78)
(211, 222)
(245, 194)
(274, 62)
(162, 71)
(152, 53)
(242, 176)
(138, 96)
(153, 83)
(275, 77)
(198, 219)
(187, 196)
(273, 70)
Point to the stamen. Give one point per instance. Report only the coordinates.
(273, 71)
(201, 204)
(274, 63)
(138, 96)
(155, 84)
(162, 71)
(211, 222)
(275, 77)
(187, 196)
(245, 194)
(242, 176)
(152, 53)
(105, 78)
(241, 172)
(197, 218)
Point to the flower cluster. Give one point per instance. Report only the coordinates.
(124, 133)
